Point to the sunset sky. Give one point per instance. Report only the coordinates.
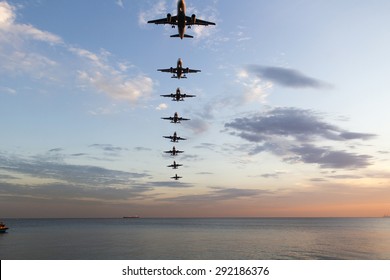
(290, 116)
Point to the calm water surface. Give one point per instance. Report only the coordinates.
(236, 238)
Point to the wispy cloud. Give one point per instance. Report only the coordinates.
(67, 191)
(54, 168)
(98, 71)
(111, 80)
(120, 3)
(217, 194)
(286, 77)
(292, 134)
(208, 13)
(7, 90)
(157, 10)
(15, 37)
(162, 106)
(19, 32)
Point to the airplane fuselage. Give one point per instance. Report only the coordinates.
(181, 18)
(178, 96)
(179, 68)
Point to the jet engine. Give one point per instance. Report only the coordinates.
(169, 18)
(171, 69)
(187, 70)
(193, 19)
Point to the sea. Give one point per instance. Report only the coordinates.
(197, 239)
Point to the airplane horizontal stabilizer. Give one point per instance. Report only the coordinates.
(178, 36)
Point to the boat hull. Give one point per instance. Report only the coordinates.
(3, 230)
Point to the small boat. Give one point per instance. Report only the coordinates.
(131, 217)
(3, 228)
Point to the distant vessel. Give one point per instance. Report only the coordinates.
(386, 216)
(3, 228)
(131, 217)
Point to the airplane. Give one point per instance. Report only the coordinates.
(173, 152)
(174, 165)
(178, 96)
(176, 177)
(175, 118)
(174, 137)
(181, 20)
(179, 72)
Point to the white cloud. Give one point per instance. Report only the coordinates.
(7, 15)
(119, 87)
(162, 106)
(7, 90)
(158, 10)
(120, 3)
(22, 31)
(19, 56)
(255, 89)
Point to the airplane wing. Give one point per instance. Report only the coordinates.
(179, 138)
(172, 21)
(168, 118)
(183, 119)
(195, 21)
(187, 70)
(168, 95)
(168, 70)
(188, 95)
(168, 137)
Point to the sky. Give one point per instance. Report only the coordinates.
(290, 117)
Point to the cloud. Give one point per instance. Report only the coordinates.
(120, 3)
(327, 158)
(162, 106)
(197, 125)
(119, 87)
(286, 77)
(142, 149)
(255, 89)
(157, 10)
(208, 13)
(26, 50)
(274, 175)
(220, 194)
(169, 184)
(64, 191)
(7, 90)
(21, 31)
(292, 133)
(53, 168)
(17, 54)
(108, 148)
(111, 80)
(300, 124)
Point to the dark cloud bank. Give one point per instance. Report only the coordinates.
(291, 133)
